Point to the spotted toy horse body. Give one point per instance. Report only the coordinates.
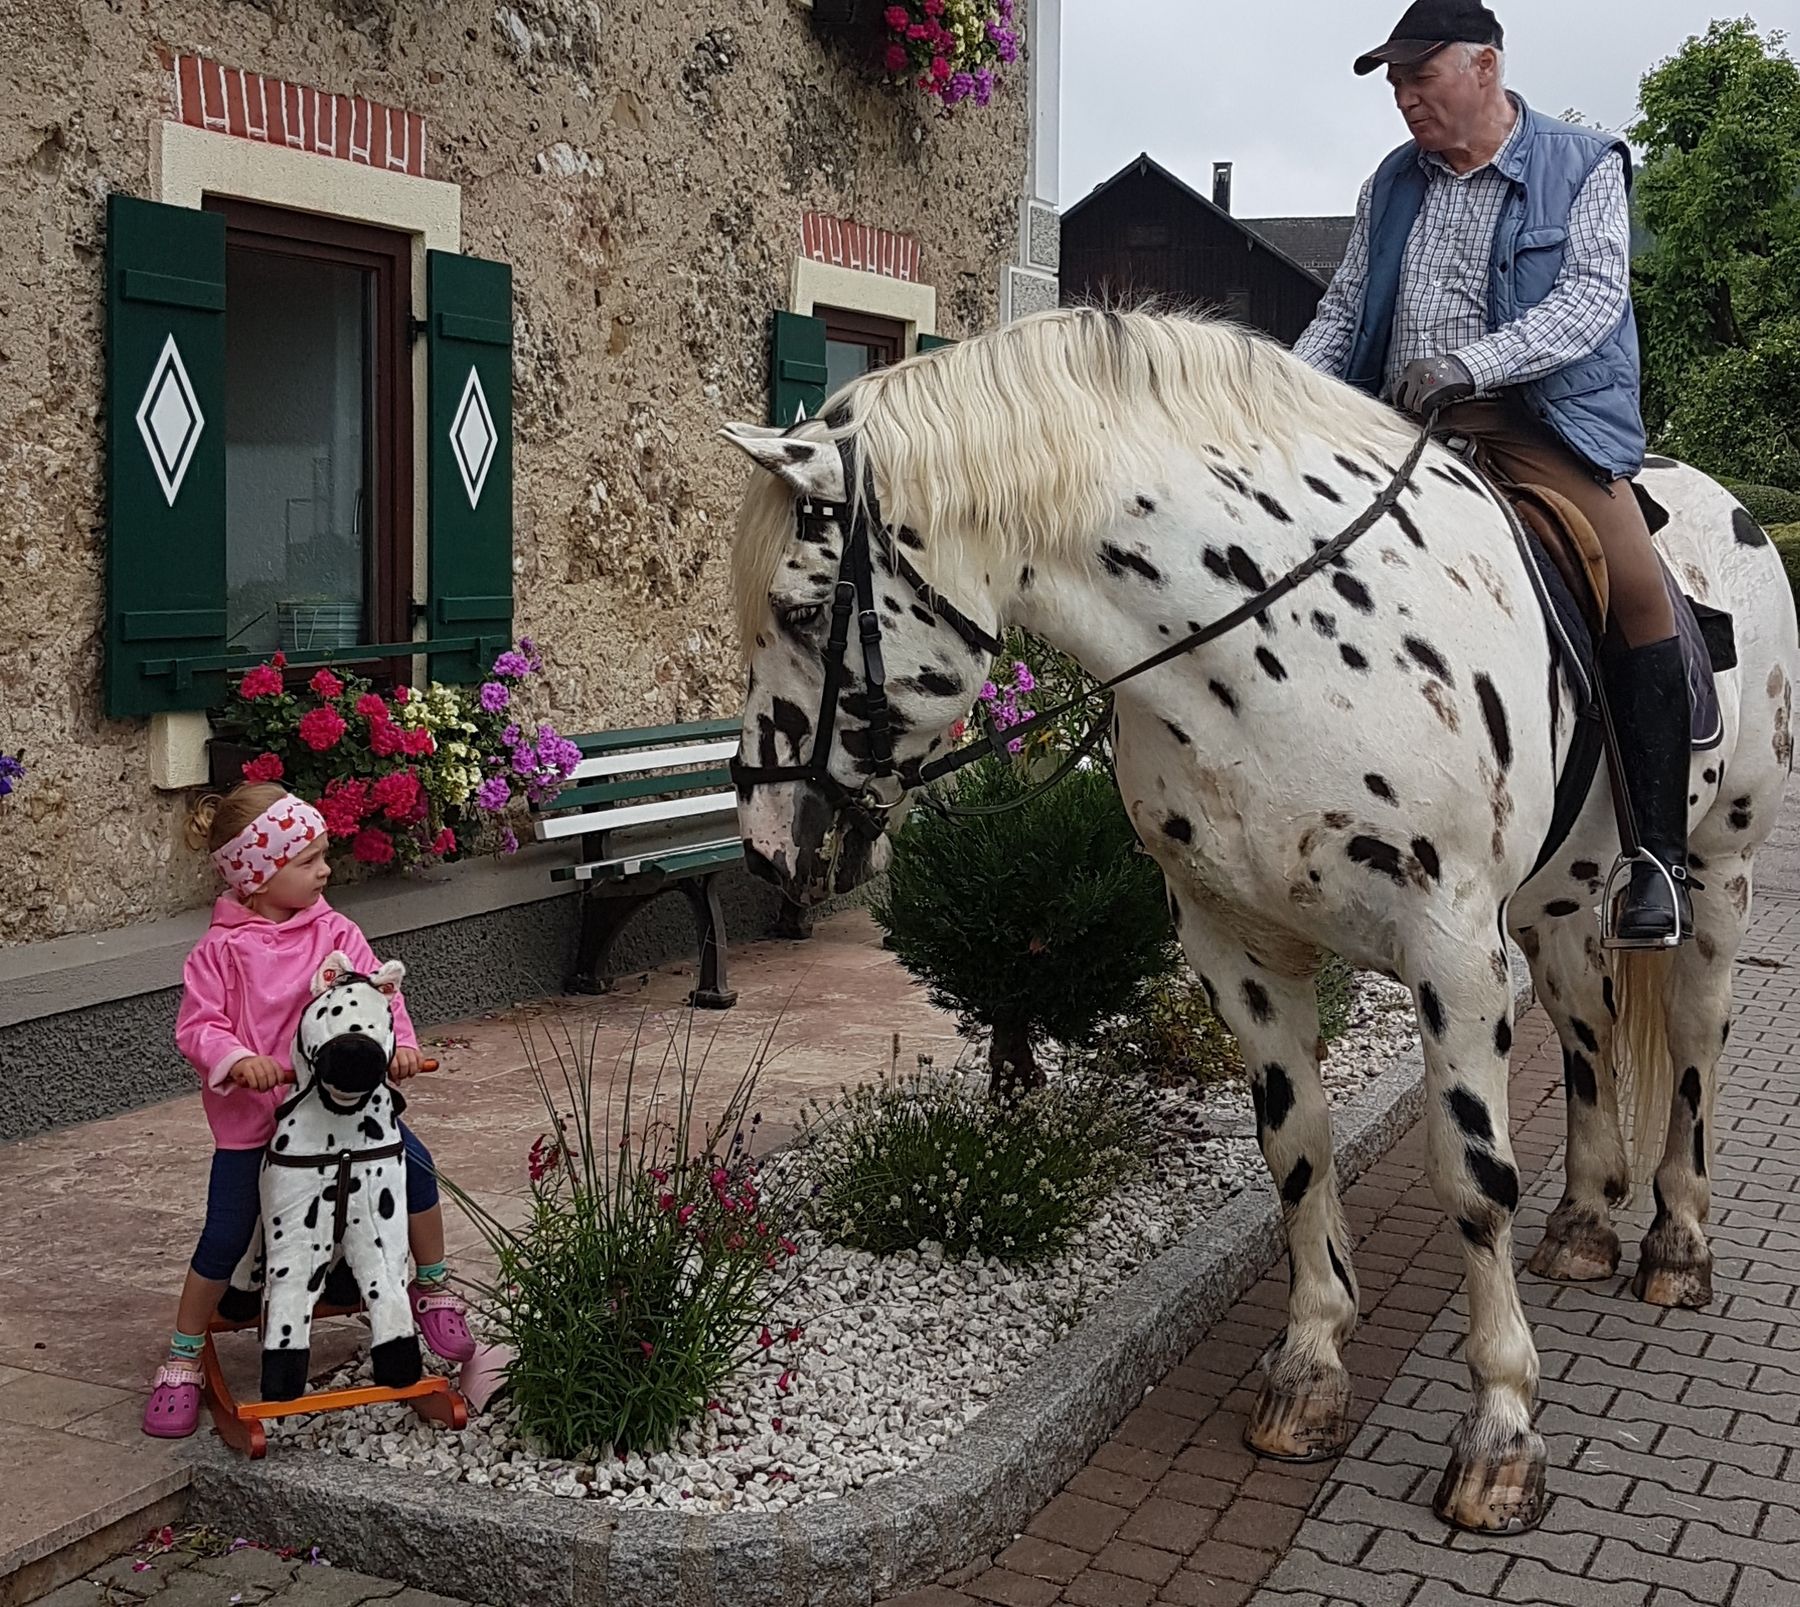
(334, 1183)
(1367, 770)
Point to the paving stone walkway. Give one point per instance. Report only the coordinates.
(243, 1578)
(1674, 1436)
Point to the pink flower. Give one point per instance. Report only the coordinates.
(785, 1381)
(646, 1347)
(659, 1174)
(373, 846)
(940, 68)
(263, 681)
(934, 8)
(898, 18)
(665, 1201)
(398, 795)
(370, 707)
(543, 1159)
(789, 1247)
(418, 742)
(386, 738)
(795, 1335)
(326, 684)
(444, 842)
(683, 1214)
(344, 805)
(765, 1338)
(264, 767)
(321, 729)
(895, 59)
(279, 660)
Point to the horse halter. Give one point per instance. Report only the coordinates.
(854, 595)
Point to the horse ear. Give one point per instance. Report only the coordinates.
(332, 970)
(812, 467)
(388, 976)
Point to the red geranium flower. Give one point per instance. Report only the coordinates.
(321, 729)
(370, 707)
(444, 842)
(263, 681)
(264, 767)
(385, 738)
(398, 796)
(373, 846)
(418, 742)
(326, 684)
(343, 806)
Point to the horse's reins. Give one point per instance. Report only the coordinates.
(343, 1158)
(855, 591)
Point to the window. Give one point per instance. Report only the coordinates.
(318, 431)
(856, 343)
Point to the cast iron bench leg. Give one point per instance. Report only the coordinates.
(603, 917)
(714, 991)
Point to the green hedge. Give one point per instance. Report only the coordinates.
(1768, 504)
(1787, 543)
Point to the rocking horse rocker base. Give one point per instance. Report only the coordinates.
(240, 1423)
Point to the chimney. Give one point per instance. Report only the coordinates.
(1222, 186)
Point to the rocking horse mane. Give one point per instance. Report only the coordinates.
(1013, 446)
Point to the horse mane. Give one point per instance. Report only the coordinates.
(1015, 446)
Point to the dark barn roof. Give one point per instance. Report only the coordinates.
(1144, 232)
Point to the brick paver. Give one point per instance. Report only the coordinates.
(1674, 1437)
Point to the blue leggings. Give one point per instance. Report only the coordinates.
(234, 1202)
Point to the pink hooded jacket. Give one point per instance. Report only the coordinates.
(244, 987)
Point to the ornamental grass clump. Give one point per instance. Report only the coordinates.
(930, 1159)
(652, 1263)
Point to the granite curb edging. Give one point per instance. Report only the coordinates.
(974, 1495)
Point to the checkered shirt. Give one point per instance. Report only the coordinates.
(1443, 298)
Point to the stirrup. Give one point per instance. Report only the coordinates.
(1609, 936)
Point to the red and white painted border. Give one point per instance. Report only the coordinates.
(845, 244)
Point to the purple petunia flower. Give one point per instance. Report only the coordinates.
(12, 772)
(513, 666)
(509, 841)
(494, 793)
(510, 736)
(494, 696)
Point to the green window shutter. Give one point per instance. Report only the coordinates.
(796, 368)
(470, 460)
(165, 455)
(930, 343)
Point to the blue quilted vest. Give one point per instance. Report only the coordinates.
(1592, 405)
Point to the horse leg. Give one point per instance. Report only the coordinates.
(1675, 1263)
(1580, 1242)
(1302, 1413)
(1495, 1481)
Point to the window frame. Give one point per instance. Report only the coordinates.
(388, 255)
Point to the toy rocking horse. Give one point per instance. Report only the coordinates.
(333, 1234)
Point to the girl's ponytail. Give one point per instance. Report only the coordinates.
(216, 820)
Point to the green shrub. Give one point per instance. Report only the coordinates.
(1037, 923)
(1766, 504)
(1787, 542)
(648, 1263)
(1173, 1038)
(930, 1158)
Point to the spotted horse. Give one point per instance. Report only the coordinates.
(1368, 768)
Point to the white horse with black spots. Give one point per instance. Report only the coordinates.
(1367, 769)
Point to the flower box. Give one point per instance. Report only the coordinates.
(225, 760)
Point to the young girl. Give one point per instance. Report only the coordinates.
(245, 985)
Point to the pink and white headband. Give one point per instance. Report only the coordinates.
(282, 832)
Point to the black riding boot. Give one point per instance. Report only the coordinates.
(1646, 688)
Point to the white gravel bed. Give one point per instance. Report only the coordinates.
(897, 1354)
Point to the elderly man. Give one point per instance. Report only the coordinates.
(1488, 275)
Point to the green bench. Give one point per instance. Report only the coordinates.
(655, 811)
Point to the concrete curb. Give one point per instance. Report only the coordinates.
(972, 1497)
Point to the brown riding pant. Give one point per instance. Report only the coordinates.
(1526, 451)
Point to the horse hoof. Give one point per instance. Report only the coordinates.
(1307, 1422)
(1500, 1492)
(1581, 1255)
(1687, 1287)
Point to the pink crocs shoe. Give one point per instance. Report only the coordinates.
(441, 1320)
(173, 1410)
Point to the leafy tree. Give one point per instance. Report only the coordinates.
(1718, 291)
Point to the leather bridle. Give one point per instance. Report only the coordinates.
(865, 810)
(854, 598)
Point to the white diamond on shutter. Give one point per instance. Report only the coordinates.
(169, 419)
(473, 438)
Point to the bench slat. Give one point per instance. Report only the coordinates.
(614, 764)
(553, 827)
(651, 736)
(641, 787)
(702, 857)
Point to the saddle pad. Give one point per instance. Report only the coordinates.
(1707, 641)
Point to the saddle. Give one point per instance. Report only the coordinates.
(1563, 557)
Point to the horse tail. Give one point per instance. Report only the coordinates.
(1643, 1069)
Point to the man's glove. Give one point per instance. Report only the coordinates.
(1432, 382)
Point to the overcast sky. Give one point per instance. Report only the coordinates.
(1268, 87)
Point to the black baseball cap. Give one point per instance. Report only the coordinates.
(1430, 25)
